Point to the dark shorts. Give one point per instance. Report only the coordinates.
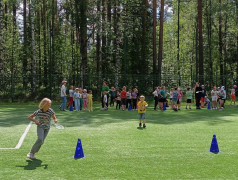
(178, 102)
(123, 101)
(162, 100)
(189, 100)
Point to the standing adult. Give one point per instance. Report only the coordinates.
(105, 90)
(198, 92)
(63, 95)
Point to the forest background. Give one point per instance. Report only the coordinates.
(136, 43)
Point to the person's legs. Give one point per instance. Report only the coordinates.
(41, 133)
(102, 101)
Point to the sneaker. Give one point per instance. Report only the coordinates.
(139, 124)
(189, 108)
(31, 155)
(144, 126)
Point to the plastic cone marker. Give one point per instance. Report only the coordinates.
(209, 106)
(164, 108)
(214, 146)
(129, 108)
(79, 150)
(71, 107)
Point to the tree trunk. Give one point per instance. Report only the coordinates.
(104, 56)
(236, 40)
(25, 43)
(98, 44)
(1, 39)
(5, 14)
(220, 45)
(33, 48)
(200, 45)
(109, 33)
(178, 50)
(45, 62)
(154, 36)
(160, 56)
(116, 16)
(144, 43)
(209, 33)
(38, 17)
(83, 40)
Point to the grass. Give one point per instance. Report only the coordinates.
(175, 145)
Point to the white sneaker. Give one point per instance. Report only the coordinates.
(30, 156)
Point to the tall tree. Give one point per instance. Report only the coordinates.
(200, 45)
(220, 43)
(104, 38)
(116, 17)
(45, 62)
(25, 44)
(161, 31)
(144, 39)
(237, 40)
(33, 47)
(154, 35)
(178, 58)
(98, 43)
(1, 39)
(83, 40)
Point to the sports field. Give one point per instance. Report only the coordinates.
(174, 145)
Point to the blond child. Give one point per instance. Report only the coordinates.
(44, 113)
(142, 104)
(90, 100)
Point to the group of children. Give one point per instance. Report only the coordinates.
(80, 99)
(124, 99)
(80, 96)
(218, 96)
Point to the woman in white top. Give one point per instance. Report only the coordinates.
(63, 95)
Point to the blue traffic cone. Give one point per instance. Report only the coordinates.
(79, 150)
(129, 108)
(164, 108)
(214, 146)
(209, 106)
(71, 107)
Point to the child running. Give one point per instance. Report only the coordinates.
(142, 104)
(44, 113)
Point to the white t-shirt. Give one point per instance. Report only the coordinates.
(63, 89)
(71, 93)
(214, 93)
(155, 93)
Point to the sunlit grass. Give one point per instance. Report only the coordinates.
(174, 145)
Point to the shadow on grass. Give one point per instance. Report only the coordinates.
(33, 164)
(17, 115)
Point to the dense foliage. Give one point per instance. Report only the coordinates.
(88, 41)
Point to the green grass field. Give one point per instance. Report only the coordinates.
(175, 145)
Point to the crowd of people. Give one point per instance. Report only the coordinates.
(79, 99)
(82, 99)
(124, 99)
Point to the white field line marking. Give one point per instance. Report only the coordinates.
(21, 139)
